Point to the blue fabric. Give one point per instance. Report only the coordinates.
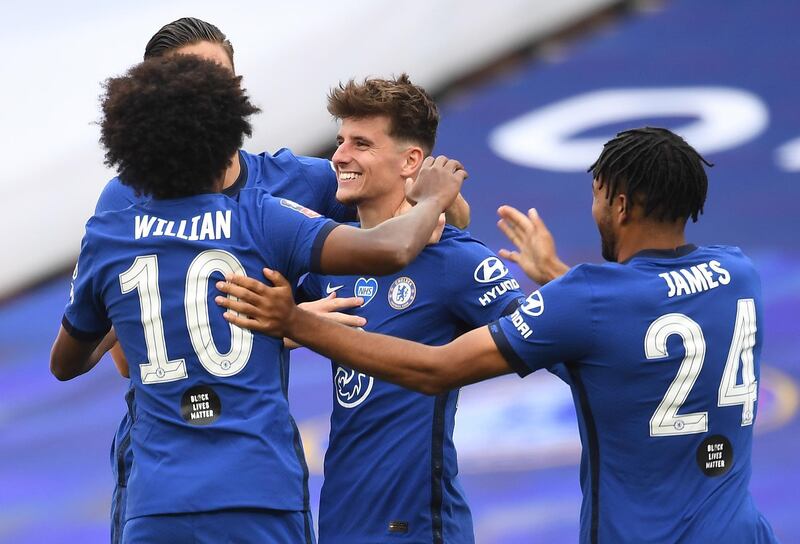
(391, 461)
(309, 181)
(646, 455)
(182, 465)
(224, 527)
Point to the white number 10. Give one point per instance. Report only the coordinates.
(665, 420)
(142, 276)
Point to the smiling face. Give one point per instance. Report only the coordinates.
(370, 164)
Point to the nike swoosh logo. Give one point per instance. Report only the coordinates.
(329, 289)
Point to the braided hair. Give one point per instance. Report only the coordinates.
(656, 169)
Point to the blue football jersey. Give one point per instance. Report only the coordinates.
(211, 424)
(662, 356)
(309, 181)
(391, 468)
(306, 180)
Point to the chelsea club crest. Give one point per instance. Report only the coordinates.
(402, 293)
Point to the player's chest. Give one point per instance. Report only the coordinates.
(407, 304)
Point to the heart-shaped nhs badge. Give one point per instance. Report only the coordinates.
(366, 289)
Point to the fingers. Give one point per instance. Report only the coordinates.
(346, 303)
(512, 256)
(244, 322)
(536, 220)
(515, 225)
(330, 304)
(237, 306)
(248, 294)
(514, 217)
(347, 319)
(276, 278)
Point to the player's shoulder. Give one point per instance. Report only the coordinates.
(285, 160)
(116, 196)
(261, 203)
(455, 242)
(733, 253)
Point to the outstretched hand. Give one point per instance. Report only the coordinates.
(256, 306)
(536, 249)
(439, 179)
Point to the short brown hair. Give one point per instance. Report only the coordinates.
(412, 113)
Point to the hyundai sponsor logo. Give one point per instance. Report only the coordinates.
(496, 291)
(491, 269)
(534, 304)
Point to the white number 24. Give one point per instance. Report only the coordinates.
(142, 276)
(665, 420)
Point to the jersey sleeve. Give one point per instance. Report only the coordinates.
(85, 317)
(115, 196)
(310, 288)
(321, 177)
(480, 287)
(554, 324)
(294, 235)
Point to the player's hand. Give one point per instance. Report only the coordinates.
(536, 249)
(329, 308)
(437, 232)
(439, 179)
(257, 306)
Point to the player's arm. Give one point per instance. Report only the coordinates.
(71, 357)
(393, 244)
(429, 369)
(458, 213)
(536, 249)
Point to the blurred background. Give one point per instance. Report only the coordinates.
(529, 90)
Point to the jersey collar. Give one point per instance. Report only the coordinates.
(241, 180)
(680, 251)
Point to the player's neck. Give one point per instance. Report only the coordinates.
(375, 211)
(233, 171)
(649, 236)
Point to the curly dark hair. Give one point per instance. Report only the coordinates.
(656, 169)
(171, 125)
(412, 112)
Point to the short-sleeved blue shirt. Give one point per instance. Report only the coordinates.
(391, 467)
(662, 356)
(211, 426)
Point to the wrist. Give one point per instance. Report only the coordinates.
(293, 322)
(554, 269)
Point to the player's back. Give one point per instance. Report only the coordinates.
(667, 398)
(212, 429)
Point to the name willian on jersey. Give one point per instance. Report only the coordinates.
(207, 226)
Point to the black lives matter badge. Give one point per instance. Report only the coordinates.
(200, 405)
(715, 455)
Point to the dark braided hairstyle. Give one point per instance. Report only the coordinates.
(656, 169)
(185, 31)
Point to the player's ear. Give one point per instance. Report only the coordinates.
(621, 209)
(412, 159)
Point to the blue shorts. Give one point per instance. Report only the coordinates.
(241, 526)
